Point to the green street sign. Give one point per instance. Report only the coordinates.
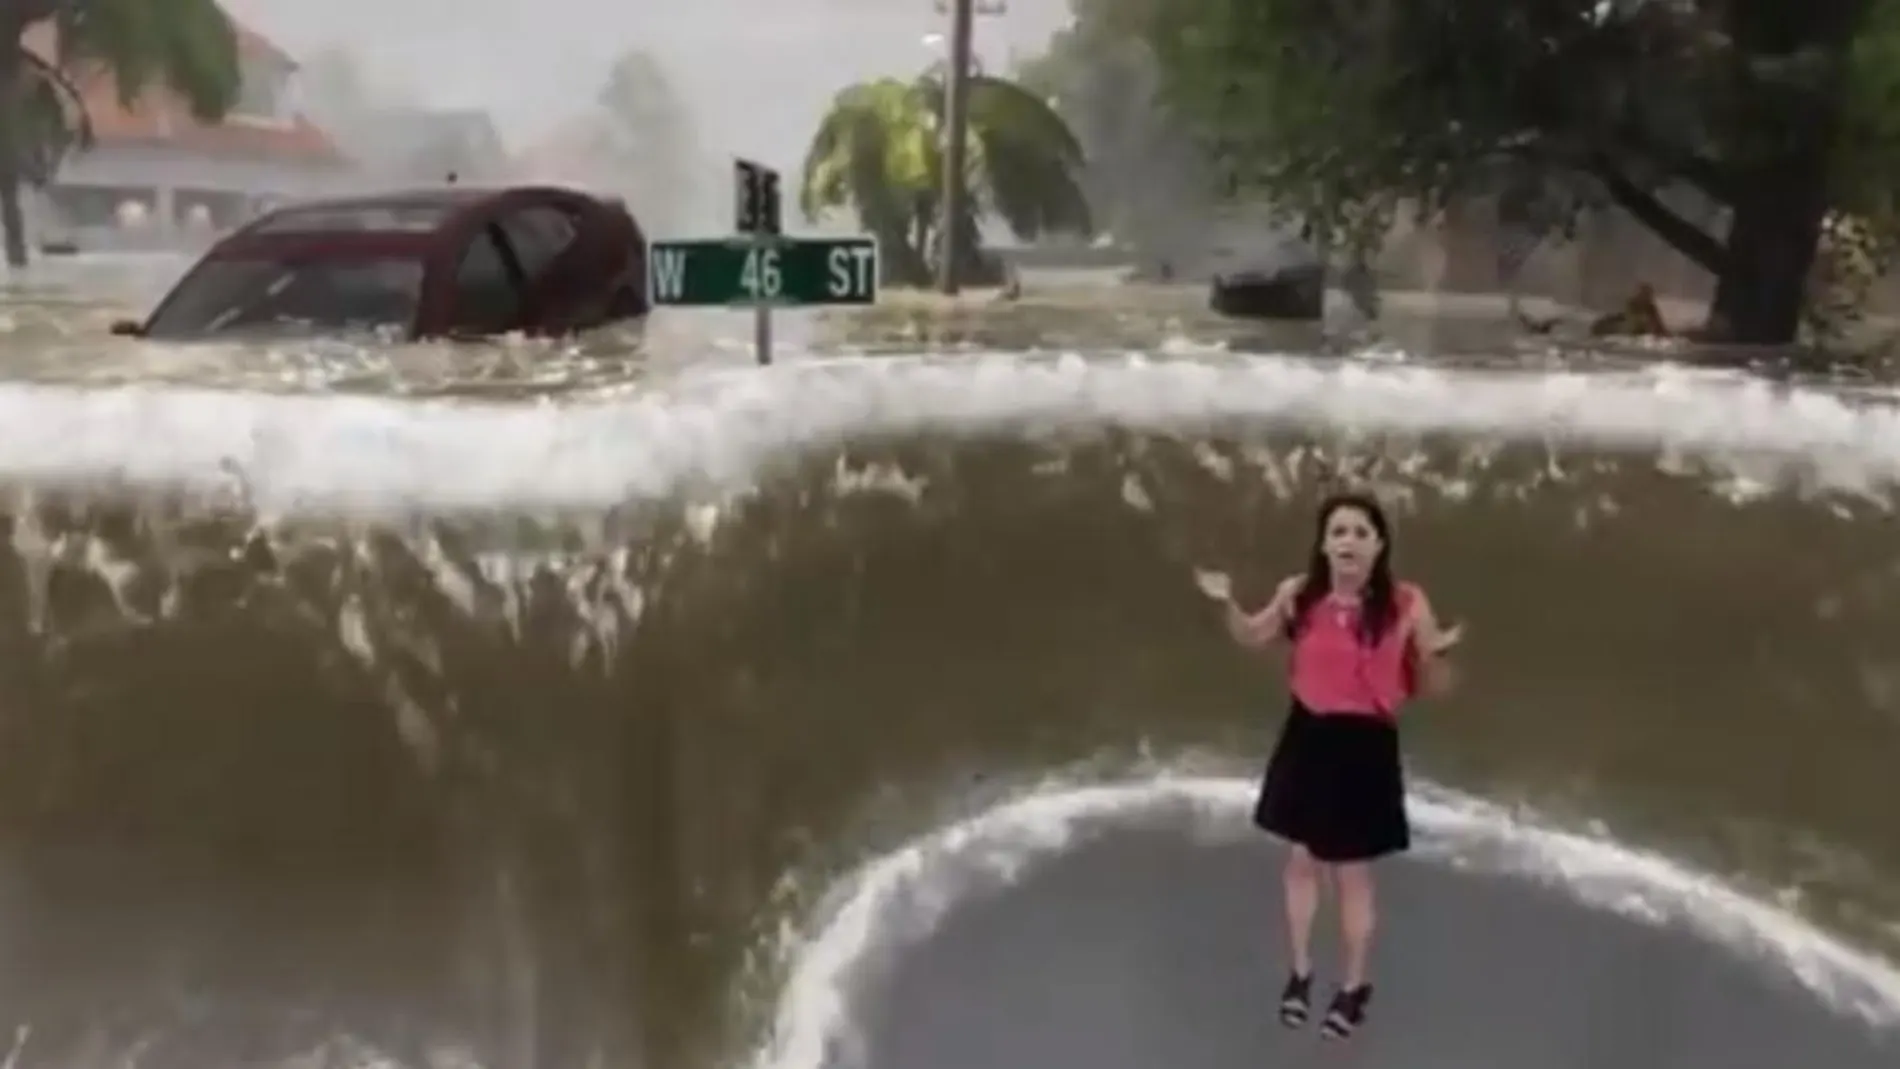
(781, 271)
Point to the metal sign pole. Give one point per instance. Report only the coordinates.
(762, 333)
(758, 216)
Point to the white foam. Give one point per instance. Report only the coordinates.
(895, 900)
(376, 453)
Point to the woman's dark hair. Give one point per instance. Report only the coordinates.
(1378, 605)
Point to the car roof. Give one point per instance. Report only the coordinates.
(404, 222)
(443, 204)
(445, 194)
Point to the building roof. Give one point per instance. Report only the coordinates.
(160, 116)
(254, 45)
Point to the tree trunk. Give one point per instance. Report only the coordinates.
(1781, 194)
(1772, 241)
(898, 259)
(974, 266)
(12, 220)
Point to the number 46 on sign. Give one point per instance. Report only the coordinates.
(742, 272)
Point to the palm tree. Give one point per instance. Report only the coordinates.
(878, 152)
(188, 46)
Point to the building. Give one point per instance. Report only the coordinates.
(157, 177)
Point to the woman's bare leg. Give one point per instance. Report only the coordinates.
(1358, 918)
(1301, 878)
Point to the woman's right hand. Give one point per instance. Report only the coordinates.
(1258, 630)
(1243, 628)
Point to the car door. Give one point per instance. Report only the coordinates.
(487, 294)
(545, 233)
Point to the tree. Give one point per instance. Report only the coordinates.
(1145, 177)
(187, 46)
(649, 125)
(1345, 110)
(878, 152)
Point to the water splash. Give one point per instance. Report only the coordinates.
(381, 455)
(894, 901)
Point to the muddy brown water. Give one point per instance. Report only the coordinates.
(534, 707)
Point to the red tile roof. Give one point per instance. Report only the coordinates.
(160, 116)
(257, 46)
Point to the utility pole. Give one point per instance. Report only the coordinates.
(956, 122)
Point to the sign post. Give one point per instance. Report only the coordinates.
(758, 267)
(756, 214)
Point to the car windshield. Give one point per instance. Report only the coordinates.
(250, 296)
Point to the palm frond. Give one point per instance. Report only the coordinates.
(64, 92)
(50, 119)
(188, 46)
(879, 151)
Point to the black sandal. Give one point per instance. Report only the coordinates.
(1347, 1012)
(1296, 1000)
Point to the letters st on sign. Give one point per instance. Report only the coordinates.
(727, 272)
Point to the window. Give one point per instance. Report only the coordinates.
(279, 296)
(538, 234)
(398, 217)
(487, 300)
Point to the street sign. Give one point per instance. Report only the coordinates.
(756, 199)
(787, 271)
(758, 268)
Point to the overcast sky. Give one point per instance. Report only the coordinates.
(758, 72)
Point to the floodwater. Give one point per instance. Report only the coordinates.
(623, 704)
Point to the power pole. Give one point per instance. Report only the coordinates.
(956, 122)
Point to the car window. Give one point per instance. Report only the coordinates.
(487, 300)
(370, 217)
(538, 234)
(292, 295)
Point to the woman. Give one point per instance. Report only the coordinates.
(1362, 643)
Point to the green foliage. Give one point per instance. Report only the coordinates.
(877, 152)
(1861, 238)
(188, 46)
(1340, 110)
(1343, 108)
(1025, 158)
(1868, 167)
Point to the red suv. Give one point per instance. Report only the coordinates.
(454, 262)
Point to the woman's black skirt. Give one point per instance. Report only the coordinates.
(1335, 785)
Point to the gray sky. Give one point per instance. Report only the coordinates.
(758, 72)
